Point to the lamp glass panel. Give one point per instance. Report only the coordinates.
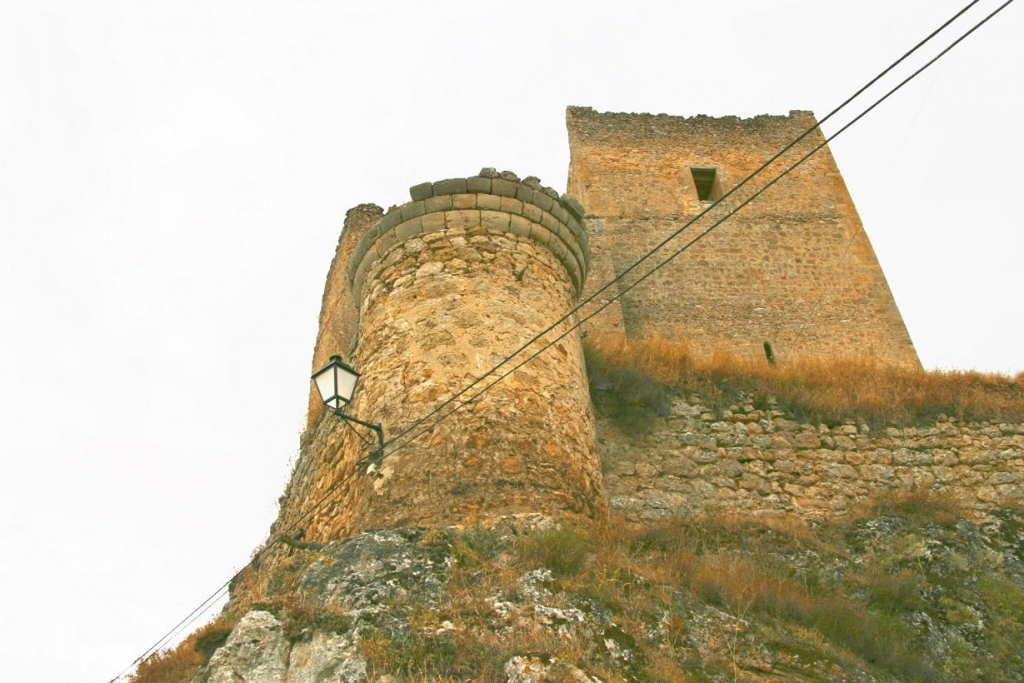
(346, 384)
(325, 385)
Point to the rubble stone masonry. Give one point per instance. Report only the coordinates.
(754, 461)
(446, 287)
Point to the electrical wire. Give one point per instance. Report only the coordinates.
(194, 614)
(217, 594)
(675, 234)
(675, 254)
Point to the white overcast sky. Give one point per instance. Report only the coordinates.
(173, 179)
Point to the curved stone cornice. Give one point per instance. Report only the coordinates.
(498, 203)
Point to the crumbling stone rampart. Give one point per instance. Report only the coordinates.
(761, 461)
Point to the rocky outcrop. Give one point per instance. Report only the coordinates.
(525, 601)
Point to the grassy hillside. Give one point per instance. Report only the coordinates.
(904, 589)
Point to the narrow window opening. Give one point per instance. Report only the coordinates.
(705, 179)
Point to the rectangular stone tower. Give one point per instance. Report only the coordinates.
(794, 267)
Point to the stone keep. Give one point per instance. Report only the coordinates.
(446, 287)
(794, 267)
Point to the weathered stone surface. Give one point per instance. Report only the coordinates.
(255, 652)
(394, 586)
(361, 576)
(794, 267)
(326, 658)
(443, 295)
(789, 460)
(338, 316)
(421, 191)
(537, 668)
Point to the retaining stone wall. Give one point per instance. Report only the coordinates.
(762, 461)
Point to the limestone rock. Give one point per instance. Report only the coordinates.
(256, 652)
(537, 668)
(326, 657)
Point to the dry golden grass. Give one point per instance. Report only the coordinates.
(828, 391)
(182, 662)
(812, 591)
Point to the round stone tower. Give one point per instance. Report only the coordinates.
(447, 286)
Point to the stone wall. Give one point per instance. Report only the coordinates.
(794, 267)
(762, 461)
(339, 319)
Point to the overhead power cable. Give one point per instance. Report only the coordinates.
(437, 409)
(699, 237)
(192, 616)
(198, 611)
(679, 231)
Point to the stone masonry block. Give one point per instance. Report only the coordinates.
(412, 210)
(505, 188)
(463, 201)
(478, 184)
(438, 203)
(390, 220)
(524, 194)
(409, 229)
(360, 276)
(572, 205)
(497, 221)
(559, 249)
(540, 234)
(570, 241)
(462, 219)
(510, 205)
(421, 191)
(576, 228)
(488, 201)
(519, 226)
(450, 186)
(432, 222)
(550, 222)
(385, 242)
(574, 273)
(533, 212)
(357, 257)
(543, 201)
(561, 214)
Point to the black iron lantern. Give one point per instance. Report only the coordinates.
(336, 383)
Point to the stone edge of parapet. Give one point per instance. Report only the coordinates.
(536, 212)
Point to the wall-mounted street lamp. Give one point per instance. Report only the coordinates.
(336, 383)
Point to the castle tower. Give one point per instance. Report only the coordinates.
(446, 287)
(794, 267)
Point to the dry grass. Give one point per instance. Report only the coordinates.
(827, 391)
(819, 592)
(182, 662)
